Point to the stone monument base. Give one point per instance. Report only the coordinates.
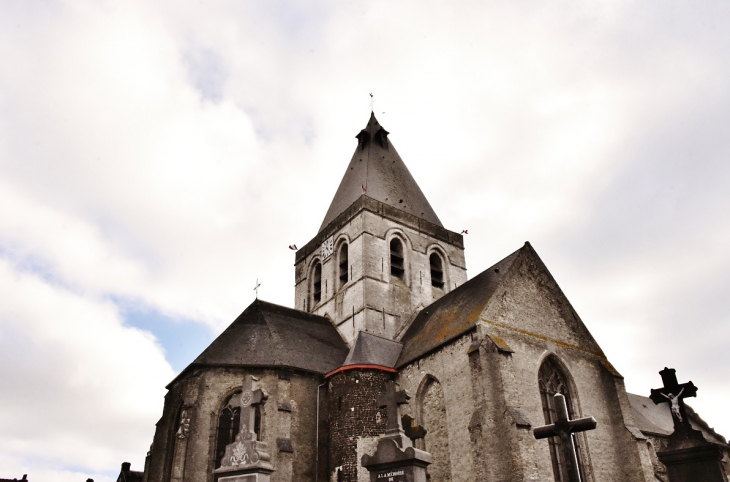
(694, 464)
(391, 463)
(251, 474)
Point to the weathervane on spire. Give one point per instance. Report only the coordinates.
(372, 102)
(256, 288)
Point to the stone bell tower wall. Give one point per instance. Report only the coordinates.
(371, 300)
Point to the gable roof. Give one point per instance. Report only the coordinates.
(377, 167)
(370, 349)
(455, 313)
(269, 335)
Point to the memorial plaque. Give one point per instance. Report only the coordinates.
(391, 475)
(240, 478)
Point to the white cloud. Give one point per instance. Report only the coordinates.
(75, 379)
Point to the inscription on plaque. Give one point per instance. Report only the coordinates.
(240, 478)
(391, 475)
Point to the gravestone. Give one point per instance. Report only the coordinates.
(246, 459)
(564, 428)
(396, 459)
(687, 455)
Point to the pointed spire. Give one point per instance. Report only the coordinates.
(377, 171)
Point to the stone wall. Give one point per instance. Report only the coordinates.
(289, 423)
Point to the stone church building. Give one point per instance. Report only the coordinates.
(382, 294)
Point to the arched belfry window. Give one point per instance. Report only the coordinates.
(343, 264)
(397, 259)
(229, 424)
(437, 271)
(317, 283)
(553, 379)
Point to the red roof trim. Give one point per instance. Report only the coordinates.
(361, 367)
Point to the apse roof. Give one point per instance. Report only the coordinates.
(269, 335)
(455, 313)
(377, 170)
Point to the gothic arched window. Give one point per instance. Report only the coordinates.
(552, 380)
(229, 424)
(317, 283)
(397, 259)
(343, 264)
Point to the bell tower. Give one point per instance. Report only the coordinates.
(381, 254)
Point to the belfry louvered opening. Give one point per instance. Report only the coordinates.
(343, 264)
(317, 283)
(397, 261)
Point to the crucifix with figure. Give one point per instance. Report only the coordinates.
(564, 428)
(674, 394)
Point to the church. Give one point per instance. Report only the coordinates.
(383, 303)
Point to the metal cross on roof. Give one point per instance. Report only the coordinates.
(390, 400)
(256, 288)
(565, 428)
(372, 102)
(672, 392)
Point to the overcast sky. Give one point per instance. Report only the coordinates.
(157, 158)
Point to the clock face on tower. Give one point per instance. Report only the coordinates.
(327, 247)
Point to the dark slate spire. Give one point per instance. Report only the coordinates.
(377, 171)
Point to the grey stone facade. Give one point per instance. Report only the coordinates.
(468, 353)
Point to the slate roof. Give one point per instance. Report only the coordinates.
(455, 313)
(657, 419)
(377, 166)
(370, 349)
(269, 335)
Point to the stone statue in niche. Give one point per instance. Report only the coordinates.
(184, 428)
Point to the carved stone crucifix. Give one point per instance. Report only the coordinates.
(390, 401)
(564, 428)
(250, 396)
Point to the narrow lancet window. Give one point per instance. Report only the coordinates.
(553, 380)
(343, 265)
(397, 263)
(437, 271)
(317, 283)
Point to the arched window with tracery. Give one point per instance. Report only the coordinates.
(397, 260)
(229, 424)
(553, 379)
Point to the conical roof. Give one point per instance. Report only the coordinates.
(377, 171)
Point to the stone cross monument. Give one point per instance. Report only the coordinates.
(246, 458)
(390, 400)
(565, 428)
(395, 460)
(687, 455)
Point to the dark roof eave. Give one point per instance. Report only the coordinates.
(194, 365)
